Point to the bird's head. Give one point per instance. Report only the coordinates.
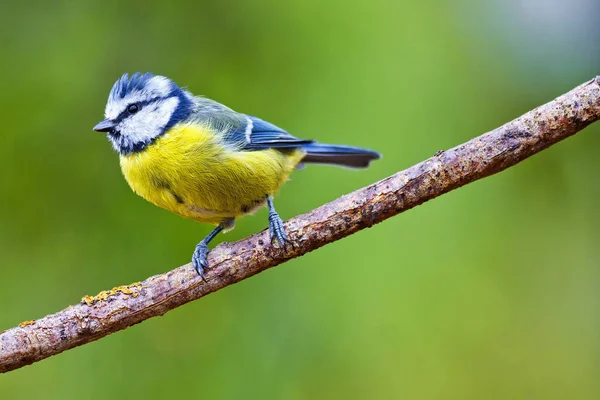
(141, 108)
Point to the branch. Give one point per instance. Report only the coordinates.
(111, 311)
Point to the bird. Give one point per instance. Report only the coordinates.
(203, 161)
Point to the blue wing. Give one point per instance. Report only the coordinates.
(243, 132)
(257, 134)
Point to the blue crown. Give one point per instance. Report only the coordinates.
(125, 84)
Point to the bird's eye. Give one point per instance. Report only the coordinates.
(133, 108)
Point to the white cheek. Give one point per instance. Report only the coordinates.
(149, 122)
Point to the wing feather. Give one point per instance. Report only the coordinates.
(264, 135)
(242, 131)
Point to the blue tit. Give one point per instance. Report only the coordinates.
(201, 160)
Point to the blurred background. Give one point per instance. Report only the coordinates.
(490, 291)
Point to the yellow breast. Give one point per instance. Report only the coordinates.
(190, 172)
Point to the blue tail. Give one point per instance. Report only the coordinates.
(346, 156)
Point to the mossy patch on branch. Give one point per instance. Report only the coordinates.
(132, 290)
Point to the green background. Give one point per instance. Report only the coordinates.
(490, 291)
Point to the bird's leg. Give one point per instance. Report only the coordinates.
(276, 230)
(199, 259)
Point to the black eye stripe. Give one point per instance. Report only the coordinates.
(141, 104)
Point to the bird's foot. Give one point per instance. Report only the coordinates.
(199, 259)
(277, 231)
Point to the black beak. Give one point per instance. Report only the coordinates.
(104, 126)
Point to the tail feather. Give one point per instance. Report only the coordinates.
(346, 156)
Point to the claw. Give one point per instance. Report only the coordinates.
(199, 259)
(277, 231)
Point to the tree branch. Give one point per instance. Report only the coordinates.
(111, 311)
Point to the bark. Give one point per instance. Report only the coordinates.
(121, 307)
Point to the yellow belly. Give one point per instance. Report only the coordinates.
(189, 172)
